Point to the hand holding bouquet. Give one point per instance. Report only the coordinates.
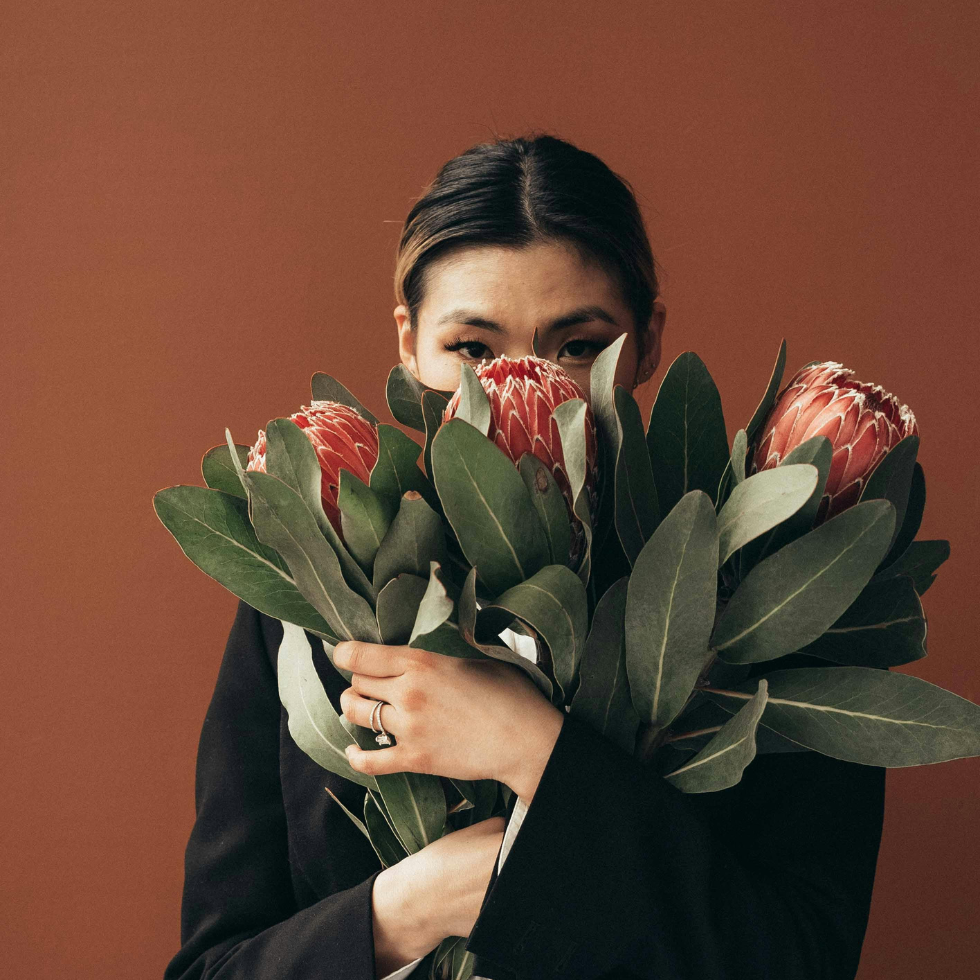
(646, 569)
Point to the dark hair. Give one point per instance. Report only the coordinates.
(517, 192)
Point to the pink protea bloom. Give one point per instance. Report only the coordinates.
(343, 440)
(862, 422)
(523, 394)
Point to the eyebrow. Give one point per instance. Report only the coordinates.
(581, 314)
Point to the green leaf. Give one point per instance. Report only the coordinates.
(817, 450)
(737, 459)
(891, 479)
(602, 381)
(383, 839)
(884, 627)
(488, 506)
(313, 723)
(602, 698)
(290, 456)
(433, 408)
(920, 561)
(283, 521)
(435, 608)
(220, 474)
(793, 596)
(637, 508)
(415, 802)
(415, 539)
(355, 819)
(432, 629)
(553, 603)
(482, 796)
(467, 612)
(398, 604)
(397, 469)
(325, 388)
(474, 406)
(404, 395)
(722, 761)
(213, 530)
(912, 520)
(670, 608)
(571, 418)
(769, 397)
(550, 504)
(866, 715)
(762, 501)
(686, 435)
(363, 518)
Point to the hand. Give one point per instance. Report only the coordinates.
(438, 891)
(450, 716)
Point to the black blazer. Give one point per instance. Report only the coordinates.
(614, 873)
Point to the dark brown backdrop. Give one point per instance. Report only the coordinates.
(200, 203)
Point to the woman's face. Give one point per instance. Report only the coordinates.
(486, 300)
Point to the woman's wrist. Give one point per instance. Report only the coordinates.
(536, 748)
(404, 926)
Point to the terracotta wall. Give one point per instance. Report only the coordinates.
(200, 204)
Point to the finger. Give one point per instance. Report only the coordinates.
(358, 710)
(378, 762)
(376, 659)
(378, 688)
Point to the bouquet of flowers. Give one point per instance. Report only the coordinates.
(647, 568)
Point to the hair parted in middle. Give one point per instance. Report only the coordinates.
(527, 190)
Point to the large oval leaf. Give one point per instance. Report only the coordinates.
(283, 521)
(313, 722)
(862, 714)
(686, 433)
(383, 839)
(415, 802)
(474, 405)
(760, 502)
(404, 395)
(220, 474)
(793, 596)
(397, 470)
(891, 479)
(817, 450)
(554, 604)
(488, 506)
(571, 418)
(744, 437)
(325, 388)
(364, 518)
(550, 504)
(919, 560)
(416, 538)
(670, 609)
(602, 698)
(884, 627)
(398, 604)
(722, 761)
(213, 530)
(637, 507)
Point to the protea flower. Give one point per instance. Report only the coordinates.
(523, 393)
(343, 440)
(862, 422)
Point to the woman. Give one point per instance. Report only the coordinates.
(610, 870)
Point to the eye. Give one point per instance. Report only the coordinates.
(472, 349)
(578, 349)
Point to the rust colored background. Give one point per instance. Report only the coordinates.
(200, 205)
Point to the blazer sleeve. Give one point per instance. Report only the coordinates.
(613, 868)
(239, 917)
